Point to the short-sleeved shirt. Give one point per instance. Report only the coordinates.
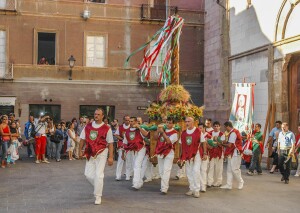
(286, 139)
(191, 131)
(125, 141)
(232, 138)
(174, 137)
(109, 136)
(273, 132)
(216, 134)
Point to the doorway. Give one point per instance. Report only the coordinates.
(294, 93)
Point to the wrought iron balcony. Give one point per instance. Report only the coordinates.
(156, 12)
(8, 5)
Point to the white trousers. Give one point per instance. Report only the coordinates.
(233, 170)
(94, 172)
(181, 172)
(165, 167)
(203, 173)
(215, 171)
(146, 168)
(129, 164)
(137, 181)
(193, 173)
(120, 164)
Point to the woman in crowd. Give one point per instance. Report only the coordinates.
(5, 138)
(59, 135)
(13, 149)
(71, 140)
(50, 144)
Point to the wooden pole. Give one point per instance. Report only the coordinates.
(265, 131)
(175, 60)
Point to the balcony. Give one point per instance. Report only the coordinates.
(156, 12)
(102, 11)
(8, 5)
(6, 71)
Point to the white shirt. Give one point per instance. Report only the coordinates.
(174, 137)
(124, 126)
(209, 129)
(232, 139)
(40, 128)
(191, 131)
(109, 136)
(216, 134)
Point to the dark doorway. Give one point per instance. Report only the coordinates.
(294, 96)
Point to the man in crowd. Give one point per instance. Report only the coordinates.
(191, 139)
(286, 145)
(29, 128)
(134, 141)
(257, 151)
(233, 153)
(165, 152)
(208, 125)
(99, 148)
(120, 136)
(80, 127)
(41, 139)
(216, 154)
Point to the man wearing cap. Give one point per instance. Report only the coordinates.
(99, 148)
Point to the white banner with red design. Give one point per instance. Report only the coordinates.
(242, 108)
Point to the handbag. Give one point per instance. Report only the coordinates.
(247, 151)
(55, 138)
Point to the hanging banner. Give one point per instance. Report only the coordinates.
(241, 114)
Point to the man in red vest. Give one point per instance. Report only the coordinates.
(165, 152)
(233, 153)
(99, 143)
(134, 141)
(216, 157)
(191, 138)
(120, 135)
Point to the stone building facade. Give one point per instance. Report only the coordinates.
(100, 34)
(258, 41)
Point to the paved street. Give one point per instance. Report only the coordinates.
(62, 187)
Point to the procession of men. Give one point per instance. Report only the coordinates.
(203, 149)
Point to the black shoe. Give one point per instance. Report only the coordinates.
(286, 181)
(282, 179)
(163, 193)
(271, 172)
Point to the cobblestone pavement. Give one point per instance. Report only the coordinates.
(62, 187)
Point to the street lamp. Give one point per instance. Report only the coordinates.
(71, 65)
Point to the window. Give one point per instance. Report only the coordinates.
(95, 51)
(46, 48)
(97, 1)
(52, 110)
(89, 110)
(5, 110)
(2, 4)
(2, 53)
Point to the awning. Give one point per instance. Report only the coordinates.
(7, 101)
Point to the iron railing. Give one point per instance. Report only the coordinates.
(157, 12)
(8, 5)
(8, 71)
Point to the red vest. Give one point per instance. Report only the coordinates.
(190, 144)
(135, 141)
(163, 148)
(95, 140)
(216, 152)
(122, 130)
(237, 144)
